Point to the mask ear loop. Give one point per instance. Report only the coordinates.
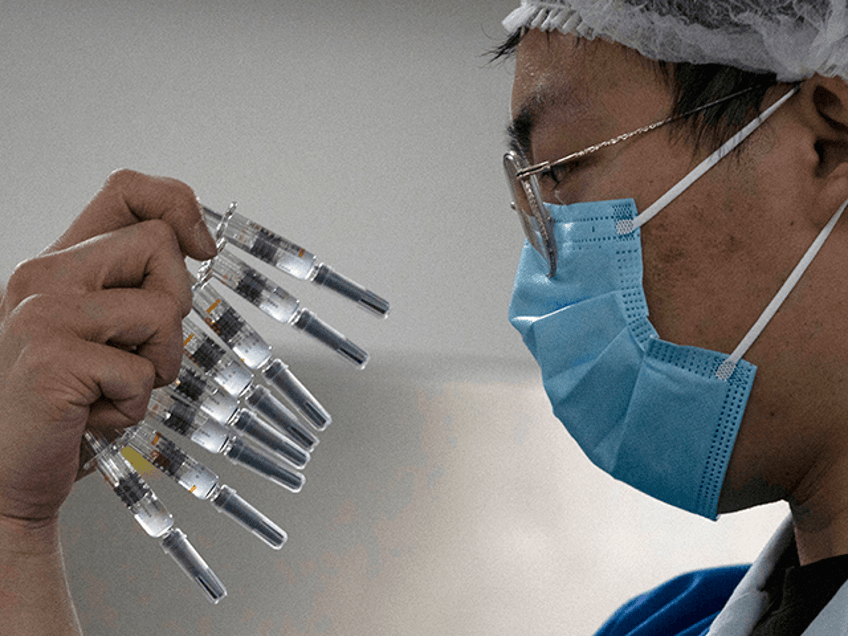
(626, 226)
(726, 368)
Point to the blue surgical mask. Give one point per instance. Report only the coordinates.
(659, 416)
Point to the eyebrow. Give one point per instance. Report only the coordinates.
(520, 129)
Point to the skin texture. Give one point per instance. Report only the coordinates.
(87, 329)
(716, 256)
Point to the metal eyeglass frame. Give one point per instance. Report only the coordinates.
(526, 195)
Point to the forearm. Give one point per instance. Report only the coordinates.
(34, 595)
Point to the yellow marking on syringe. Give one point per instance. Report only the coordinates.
(193, 488)
(213, 305)
(187, 340)
(138, 462)
(301, 252)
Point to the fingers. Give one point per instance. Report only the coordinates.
(124, 322)
(63, 378)
(128, 197)
(54, 385)
(144, 255)
(89, 328)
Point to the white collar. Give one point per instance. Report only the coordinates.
(749, 600)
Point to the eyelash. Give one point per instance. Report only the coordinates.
(556, 174)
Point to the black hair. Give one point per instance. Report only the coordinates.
(693, 85)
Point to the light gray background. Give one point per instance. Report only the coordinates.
(444, 498)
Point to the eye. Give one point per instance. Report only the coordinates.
(554, 179)
(555, 175)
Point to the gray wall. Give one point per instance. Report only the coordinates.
(444, 498)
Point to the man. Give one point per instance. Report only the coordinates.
(657, 403)
(713, 260)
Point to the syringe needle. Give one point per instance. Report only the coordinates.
(227, 501)
(269, 437)
(280, 377)
(273, 410)
(177, 546)
(241, 452)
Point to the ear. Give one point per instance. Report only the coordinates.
(824, 102)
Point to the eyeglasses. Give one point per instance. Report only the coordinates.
(527, 197)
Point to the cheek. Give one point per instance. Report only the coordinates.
(704, 277)
(670, 282)
(716, 256)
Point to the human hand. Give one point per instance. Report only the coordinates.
(88, 328)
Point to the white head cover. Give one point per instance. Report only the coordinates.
(792, 38)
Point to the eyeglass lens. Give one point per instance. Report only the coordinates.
(527, 201)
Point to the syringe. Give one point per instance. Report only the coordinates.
(170, 459)
(201, 482)
(215, 421)
(151, 514)
(277, 303)
(125, 481)
(167, 409)
(223, 367)
(224, 408)
(288, 257)
(250, 350)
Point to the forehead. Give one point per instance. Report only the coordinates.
(561, 79)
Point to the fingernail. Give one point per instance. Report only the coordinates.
(204, 238)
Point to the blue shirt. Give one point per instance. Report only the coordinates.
(684, 606)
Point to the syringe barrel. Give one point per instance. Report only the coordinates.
(192, 385)
(167, 409)
(240, 452)
(227, 501)
(254, 287)
(368, 300)
(211, 435)
(282, 379)
(262, 243)
(176, 545)
(172, 460)
(263, 433)
(131, 489)
(220, 365)
(309, 323)
(226, 322)
(284, 420)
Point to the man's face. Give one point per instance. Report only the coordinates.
(716, 256)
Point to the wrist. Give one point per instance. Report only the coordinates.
(34, 595)
(29, 539)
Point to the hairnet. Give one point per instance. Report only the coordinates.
(792, 38)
